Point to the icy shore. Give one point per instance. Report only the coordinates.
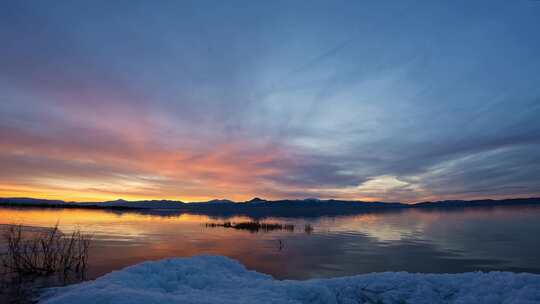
(217, 279)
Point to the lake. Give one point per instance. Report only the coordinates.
(414, 240)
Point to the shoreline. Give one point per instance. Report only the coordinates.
(284, 208)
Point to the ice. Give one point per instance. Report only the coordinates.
(217, 279)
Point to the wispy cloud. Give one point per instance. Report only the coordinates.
(196, 101)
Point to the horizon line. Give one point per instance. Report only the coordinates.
(274, 200)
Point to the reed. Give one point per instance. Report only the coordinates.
(253, 226)
(46, 252)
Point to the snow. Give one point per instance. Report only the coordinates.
(217, 279)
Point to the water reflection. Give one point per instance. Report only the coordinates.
(456, 240)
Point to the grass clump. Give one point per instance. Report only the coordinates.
(44, 252)
(308, 229)
(253, 226)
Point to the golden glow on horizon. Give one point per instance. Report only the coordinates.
(86, 196)
(127, 159)
(136, 169)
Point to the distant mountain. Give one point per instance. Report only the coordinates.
(256, 200)
(313, 202)
(258, 207)
(147, 204)
(30, 201)
(478, 203)
(116, 204)
(215, 201)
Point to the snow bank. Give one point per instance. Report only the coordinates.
(217, 279)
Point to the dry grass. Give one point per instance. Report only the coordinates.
(45, 252)
(308, 229)
(253, 226)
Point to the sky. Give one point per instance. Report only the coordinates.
(194, 100)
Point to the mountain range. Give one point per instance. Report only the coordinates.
(262, 207)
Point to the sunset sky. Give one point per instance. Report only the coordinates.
(195, 100)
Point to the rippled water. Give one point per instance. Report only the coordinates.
(456, 240)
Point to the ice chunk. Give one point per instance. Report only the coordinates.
(217, 279)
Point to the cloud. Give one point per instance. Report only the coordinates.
(195, 102)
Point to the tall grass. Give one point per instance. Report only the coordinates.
(308, 229)
(253, 226)
(46, 252)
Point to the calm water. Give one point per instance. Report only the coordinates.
(500, 238)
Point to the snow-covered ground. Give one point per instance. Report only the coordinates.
(217, 279)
